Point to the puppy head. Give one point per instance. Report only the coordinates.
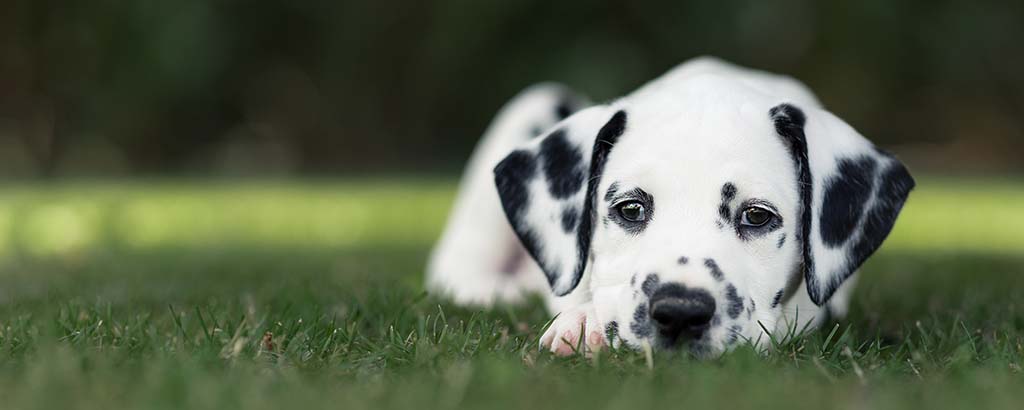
(696, 214)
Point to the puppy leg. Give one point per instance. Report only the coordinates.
(478, 259)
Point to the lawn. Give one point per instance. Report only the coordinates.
(267, 295)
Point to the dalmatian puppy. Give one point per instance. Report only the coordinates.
(714, 205)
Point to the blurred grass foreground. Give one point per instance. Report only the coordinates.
(68, 218)
(267, 295)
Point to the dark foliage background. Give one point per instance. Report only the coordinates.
(107, 87)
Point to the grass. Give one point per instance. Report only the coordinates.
(289, 295)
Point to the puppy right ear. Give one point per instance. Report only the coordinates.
(547, 189)
(851, 193)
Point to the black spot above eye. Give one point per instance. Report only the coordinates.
(613, 190)
(728, 192)
(846, 193)
(563, 165)
(683, 260)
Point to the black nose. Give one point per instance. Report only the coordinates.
(681, 312)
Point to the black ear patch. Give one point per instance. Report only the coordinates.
(846, 193)
(512, 176)
(563, 165)
(894, 185)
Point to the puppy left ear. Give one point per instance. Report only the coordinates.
(851, 193)
(547, 189)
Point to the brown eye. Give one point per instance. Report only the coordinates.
(632, 211)
(755, 216)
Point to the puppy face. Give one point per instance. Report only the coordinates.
(700, 210)
(693, 242)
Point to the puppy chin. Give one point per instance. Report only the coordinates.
(701, 348)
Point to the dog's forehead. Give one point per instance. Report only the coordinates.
(702, 137)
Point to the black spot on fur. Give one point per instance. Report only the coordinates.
(894, 186)
(716, 272)
(570, 216)
(512, 176)
(752, 308)
(611, 331)
(846, 193)
(734, 334)
(563, 110)
(536, 131)
(778, 298)
(735, 302)
(683, 260)
(728, 194)
(789, 124)
(782, 241)
(641, 326)
(716, 320)
(613, 190)
(632, 281)
(650, 284)
(563, 165)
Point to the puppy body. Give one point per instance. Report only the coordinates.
(713, 205)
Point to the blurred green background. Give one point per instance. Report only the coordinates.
(232, 87)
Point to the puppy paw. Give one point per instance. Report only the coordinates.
(563, 337)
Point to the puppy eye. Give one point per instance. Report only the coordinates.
(756, 216)
(632, 211)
